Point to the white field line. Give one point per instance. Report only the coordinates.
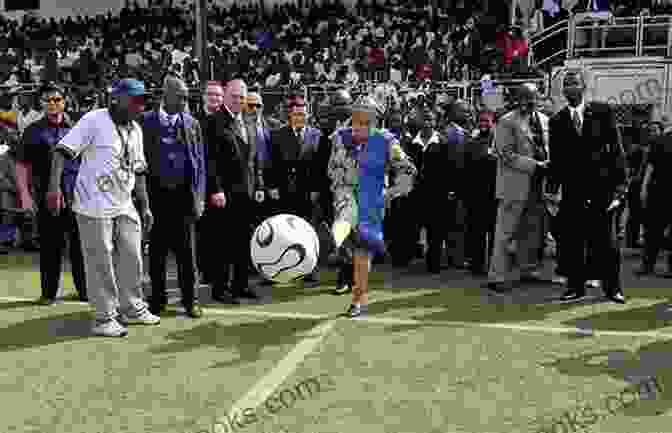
(265, 386)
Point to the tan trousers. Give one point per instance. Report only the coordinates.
(519, 238)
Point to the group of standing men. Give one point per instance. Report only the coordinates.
(209, 181)
(575, 158)
(121, 171)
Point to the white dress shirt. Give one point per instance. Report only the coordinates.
(579, 110)
(434, 138)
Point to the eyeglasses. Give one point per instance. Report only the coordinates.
(54, 100)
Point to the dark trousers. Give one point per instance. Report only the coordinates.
(635, 215)
(440, 219)
(201, 246)
(590, 248)
(481, 221)
(174, 230)
(658, 217)
(402, 230)
(53, 231)
(229, 232)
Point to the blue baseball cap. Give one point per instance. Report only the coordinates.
(128, 87)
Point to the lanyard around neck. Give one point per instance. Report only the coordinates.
(125, 158)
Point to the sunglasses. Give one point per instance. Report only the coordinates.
(54, 100)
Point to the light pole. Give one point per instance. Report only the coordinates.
(201, 48)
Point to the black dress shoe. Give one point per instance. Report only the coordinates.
(248, 294)
(311, 281)
(499, 288)
(616, 297)
(194, 311)
(225, 297)
(157, 309)
(573, 295)
(357, 311)
(342, 289)
(532, 278)
(267, 283)
(434, 270)
(400, 264)
(644, 270)
(46, 301)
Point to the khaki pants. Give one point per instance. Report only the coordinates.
(519, 234)
(112, 265)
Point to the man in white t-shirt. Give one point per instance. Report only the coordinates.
(110, 143)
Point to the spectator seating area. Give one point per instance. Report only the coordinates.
(307, 43)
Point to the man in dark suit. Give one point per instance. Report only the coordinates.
(588, 164)
(231, 189)
(295, 170)
(173, 144)
(481, 204)
(213, 100)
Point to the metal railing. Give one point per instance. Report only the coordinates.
(585, 35)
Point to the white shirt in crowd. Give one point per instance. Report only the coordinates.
(25, 119)
(105, 180)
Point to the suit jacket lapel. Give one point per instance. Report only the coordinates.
(587, 117)
(567, 114)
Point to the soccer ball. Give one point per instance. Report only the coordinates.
(285, 248)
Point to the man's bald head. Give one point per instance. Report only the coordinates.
(235, 94)
(175, 95)
(574, 86)
(527, 96)
(460, 112)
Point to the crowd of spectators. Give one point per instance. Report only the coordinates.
(397, 40)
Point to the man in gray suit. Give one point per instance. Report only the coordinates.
(521, 141)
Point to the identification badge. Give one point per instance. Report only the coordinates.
(105, 183)
(124, 174)
(291, 181)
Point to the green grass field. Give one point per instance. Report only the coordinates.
(437, 355)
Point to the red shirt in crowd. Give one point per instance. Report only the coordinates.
(423, 72)
(512, 47)
(377, 56)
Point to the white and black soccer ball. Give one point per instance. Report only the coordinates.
(285, 248)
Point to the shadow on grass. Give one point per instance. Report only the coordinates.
(633, 319)
(16, 304)
(249, 339)
(651, 361)
(474, 305)
(16, 261)
(46, 331)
